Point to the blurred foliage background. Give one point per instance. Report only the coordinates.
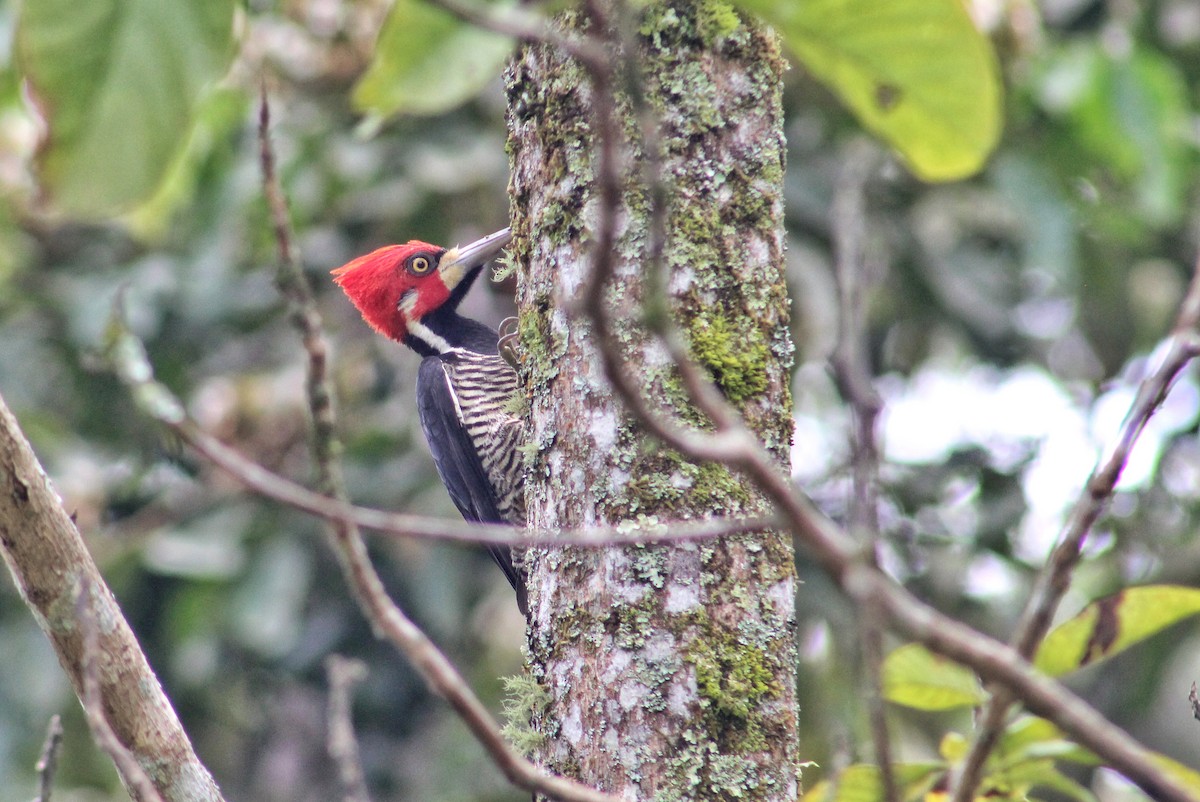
(1010, 316)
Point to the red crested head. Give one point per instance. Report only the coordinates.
(395, 284)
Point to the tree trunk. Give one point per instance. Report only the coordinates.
(669, 670)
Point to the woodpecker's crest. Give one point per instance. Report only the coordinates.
(397, 287)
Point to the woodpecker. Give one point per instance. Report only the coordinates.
(410, 293)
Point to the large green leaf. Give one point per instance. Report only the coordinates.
(915, 677)
(428, 62)
(1113, 624)
(117, 82)
(916, 72)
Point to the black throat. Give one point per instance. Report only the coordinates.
(453, 330)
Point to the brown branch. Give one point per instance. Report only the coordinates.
(132, 775)
(851, 371)
(50, 564)
(1054, 580)
(344, 673)
(526, 26)
(1180, 348)
(849, 360)
(386, 617)
(302, 309)
(155, 400)
(864, 583)
(48, 760)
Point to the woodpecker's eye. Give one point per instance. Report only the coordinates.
(419, 265)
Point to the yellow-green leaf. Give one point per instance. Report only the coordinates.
(427, 62)
(118, 83)
(915, 677)
(1189, 778)
(917, 73)
(861, 783)
(1032, 738)
(1113, 624)
(1016, 781)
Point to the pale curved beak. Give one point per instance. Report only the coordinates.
(461, 260)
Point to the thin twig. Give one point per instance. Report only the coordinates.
(527, 26)
(852, 373)
(386, 617)
(277, 488)
(156, 400)
(302, 309)
(344, 673)
(134, 777)
(1052, 583)
(48, 760)
(853, 377)
(850, 361)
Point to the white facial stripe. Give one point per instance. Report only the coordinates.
(426, 335)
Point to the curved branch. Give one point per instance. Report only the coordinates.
(1052, 583)
(386, 617)
(51, 566)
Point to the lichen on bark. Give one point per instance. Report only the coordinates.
(669, 671)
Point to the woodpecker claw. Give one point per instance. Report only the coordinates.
(507, 345)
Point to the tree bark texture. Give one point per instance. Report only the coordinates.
(668, 671)
(50, 564)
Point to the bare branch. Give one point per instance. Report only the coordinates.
(155, 400)
(344, 673)
(1053, 581)
(852, 373)
(49, 564)
(1176, 352)
(527, 26)
(302, 309)
(133, 776)
(48, 760)
(386, 617)
(850, 365)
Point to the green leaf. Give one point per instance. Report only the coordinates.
(1032, 738)
(917, 73)
(1113, 624)
(1132, 113)
(219, 117)
(117, 82)
(1015, 782)
(1189, 778)
(861, 783)
(428, 62)
(915, 677)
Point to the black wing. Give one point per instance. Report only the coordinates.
(458, 462)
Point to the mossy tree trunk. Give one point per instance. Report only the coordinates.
(669, 670)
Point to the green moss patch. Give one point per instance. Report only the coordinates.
(733, 351)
